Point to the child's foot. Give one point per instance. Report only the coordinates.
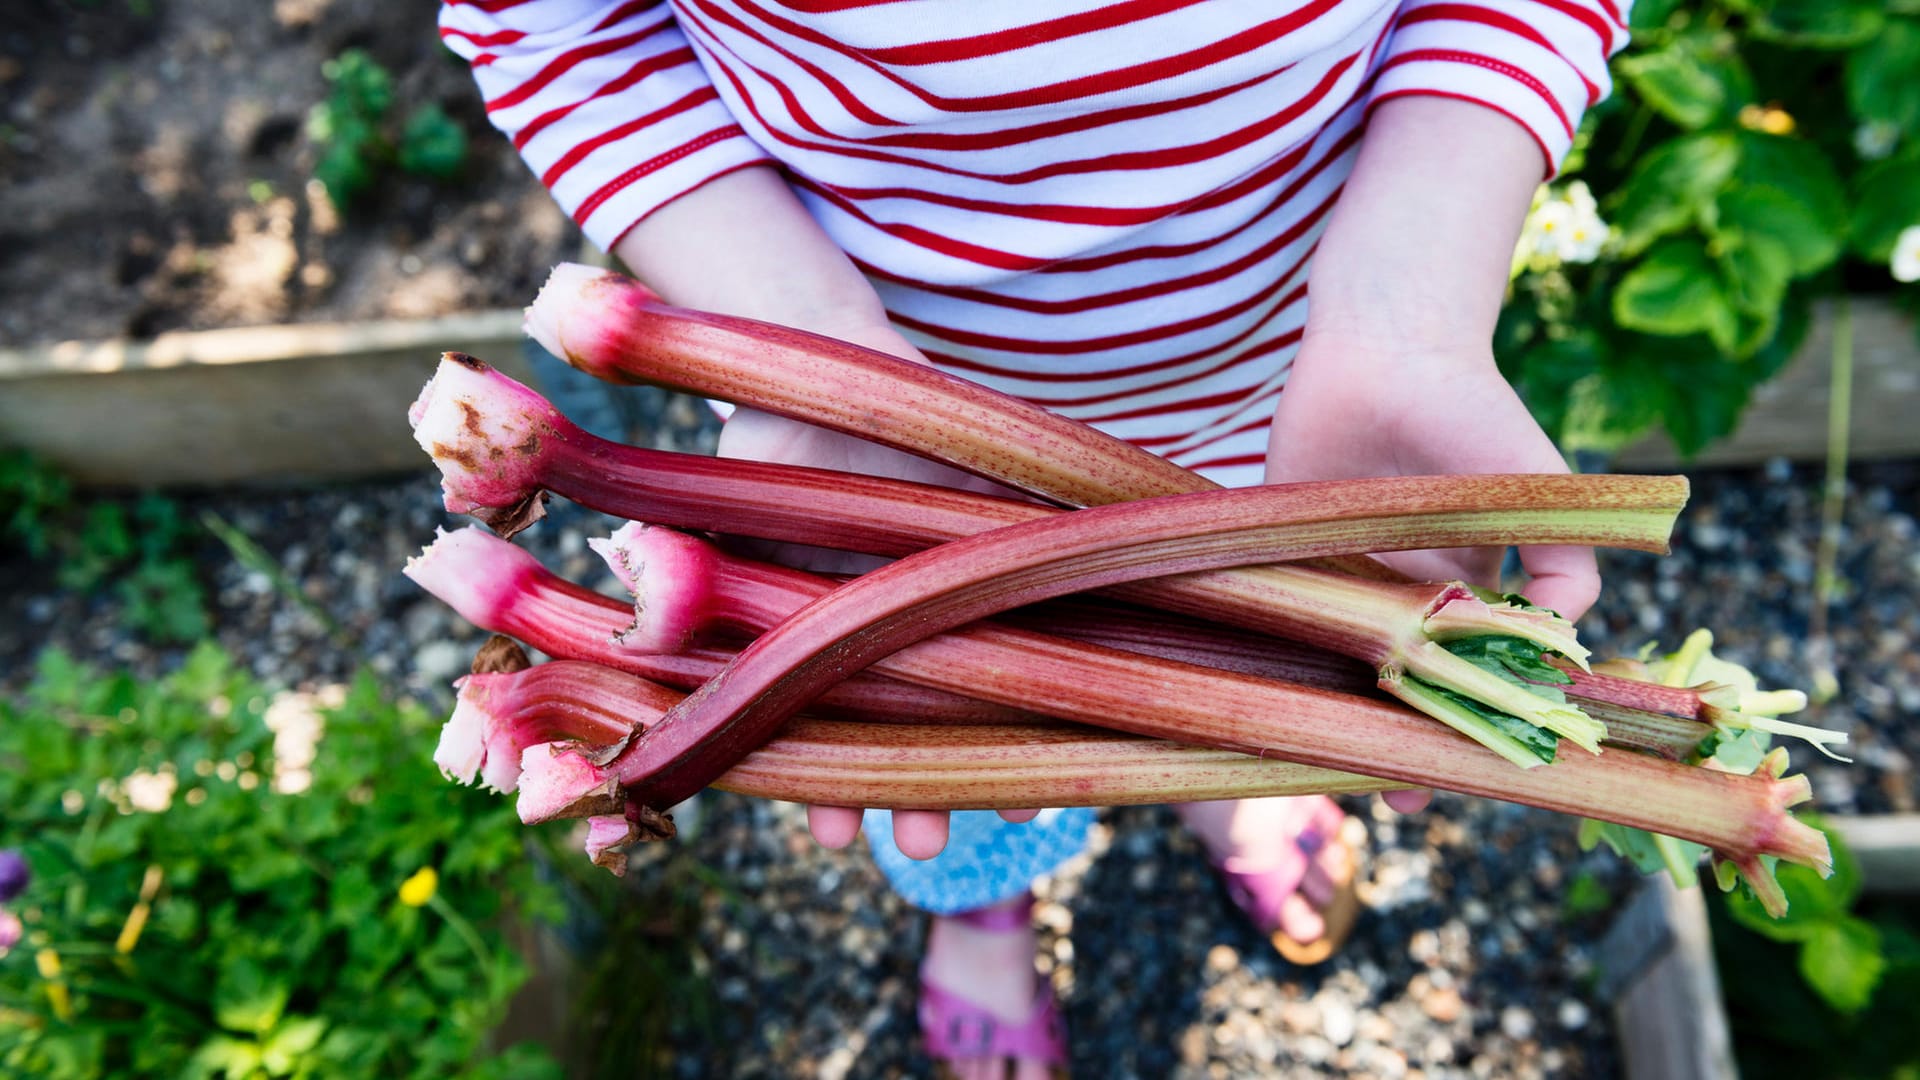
(1287, 865)
(984, 1012)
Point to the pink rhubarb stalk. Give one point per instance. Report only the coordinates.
(901, 766)
(501, 588)
(617, 329)
(498, 444)
(967, 579)
(900, 605)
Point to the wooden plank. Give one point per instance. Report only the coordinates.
(1887, 847)
(1788, 416)
(1657, 964)
(265, 405)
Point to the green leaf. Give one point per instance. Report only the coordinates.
(1695, 80)
(247, 999)
(361, 87)
(1745, 212)
(1842, 960)
(1649, 853)
(1756, 269)
(432, 144)
(293, 1039)
(1886, 202)
(1539, 742)
(223, 1055)
(1653, 14)
(1883, 76)
(1815, 24)
(1513, 659)
(1672, 186)
(1673, 292)
(1798, 170)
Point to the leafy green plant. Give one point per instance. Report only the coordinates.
(1850, 1014)
(358, 135)
(1751, 149)
(140, 551)
(209, 897)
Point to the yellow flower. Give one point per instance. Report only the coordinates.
(1768, 119)
(418, 889)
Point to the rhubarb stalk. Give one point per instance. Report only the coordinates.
(498, 444)
(1738, 815)
(498, 716)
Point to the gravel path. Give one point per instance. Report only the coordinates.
(1477, 953)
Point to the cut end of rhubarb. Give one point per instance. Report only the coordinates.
(472, 571)
(571, 311)
(670, 575)
(557, 781)
(1464, 615)
(485, 432)
(463, 743)
(608, 837)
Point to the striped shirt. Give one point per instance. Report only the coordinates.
(1105, 208)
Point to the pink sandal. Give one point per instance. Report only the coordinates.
(955, 1028)
(1260, 890)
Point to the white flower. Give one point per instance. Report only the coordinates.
(1565, 227)
(1906, 255)
(1581, 199)
(150, 793)
(1875, 140)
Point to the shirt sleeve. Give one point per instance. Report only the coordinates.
(604, 100)
(1542, 63)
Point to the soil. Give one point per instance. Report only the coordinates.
(158, 175)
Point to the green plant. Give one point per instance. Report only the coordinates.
(1850, 1014)
(358, 135)
(138, 550)
(1751, 147)
(211, 897)
(33, 495)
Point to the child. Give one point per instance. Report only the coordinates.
(1108, 210)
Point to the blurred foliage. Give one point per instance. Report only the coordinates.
(199, 908)
(138, 551)
(1755, 155)
(358, 136)
(1850, 1013)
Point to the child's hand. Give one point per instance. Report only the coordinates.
(920, 834)
(1354, 408)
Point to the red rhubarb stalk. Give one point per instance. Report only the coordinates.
(1333, 730)
(497, 443)
(501, 588)
(500, 715)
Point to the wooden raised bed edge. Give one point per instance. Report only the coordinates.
(325, 401)
(257, 405)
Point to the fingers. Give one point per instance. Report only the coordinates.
(1409, 800)
(833, 826)
(1566, 579)
(1019, 817)
(920, 834)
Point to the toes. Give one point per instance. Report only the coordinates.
(1300, 920)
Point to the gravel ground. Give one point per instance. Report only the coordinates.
(1478, 951)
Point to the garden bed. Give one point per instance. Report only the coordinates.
(158, 175)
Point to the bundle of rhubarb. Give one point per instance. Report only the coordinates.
(1131, 633)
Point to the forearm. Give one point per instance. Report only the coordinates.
(1418, 247)
(744, 245)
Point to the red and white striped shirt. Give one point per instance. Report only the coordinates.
(1103, 208)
